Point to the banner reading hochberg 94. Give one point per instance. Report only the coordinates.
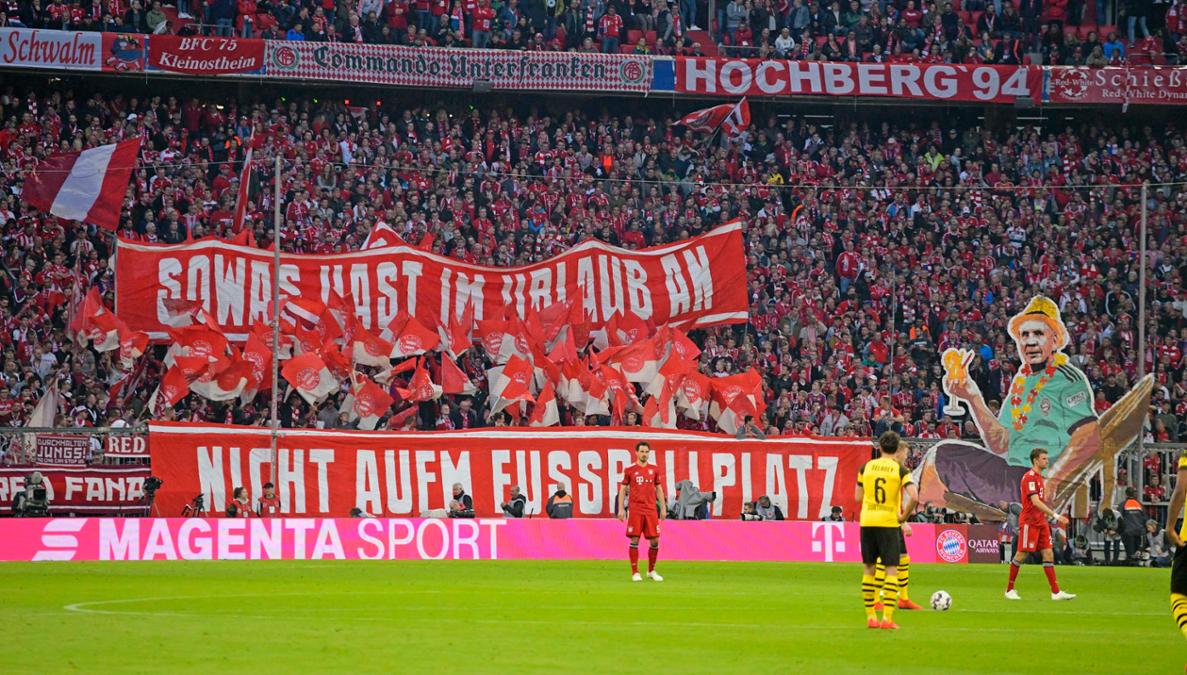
(423, 67)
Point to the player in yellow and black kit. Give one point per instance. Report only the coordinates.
(904, 558)
(880, 485)
(1177, 536)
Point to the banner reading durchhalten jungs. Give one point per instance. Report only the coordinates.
(460, 68)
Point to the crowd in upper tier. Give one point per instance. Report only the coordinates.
(854, 287)
(1065, 32)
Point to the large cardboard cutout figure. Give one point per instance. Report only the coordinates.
(1050, 405)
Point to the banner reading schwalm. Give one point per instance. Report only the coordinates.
(460, 68)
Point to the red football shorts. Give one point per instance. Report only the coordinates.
(1034, 537)
(640, 524)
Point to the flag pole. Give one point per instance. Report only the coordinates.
(275, 318)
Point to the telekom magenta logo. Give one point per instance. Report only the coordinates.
(58, 539)
(833, 540)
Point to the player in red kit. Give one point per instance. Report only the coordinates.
(642, 479)
(1034, 532)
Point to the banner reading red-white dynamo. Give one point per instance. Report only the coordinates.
(759, 77)
(88, 186)
(327, 473)
(695, 282)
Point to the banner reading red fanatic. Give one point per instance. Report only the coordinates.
(1161, 86)
(327, 473)
(205, 55)
(944, 82)
(695, 282)
(91, 489)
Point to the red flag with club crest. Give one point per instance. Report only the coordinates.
(410, 337)
(311, 378)
(420, 386)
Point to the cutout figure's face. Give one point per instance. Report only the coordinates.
(1036, 343)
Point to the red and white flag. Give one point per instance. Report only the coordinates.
(223, 380)
(198, 341)
(367, 402)
(311, 378)
(382, 235)
(457, 335)
(510, 383)
(172, 389)
(420, 386)
(454, 379)
(410, 337)
(244, 184)
(660, 411)
(639, 362)
(545, 414)
(94, 323)
(731, 118)
(734, 398)
(256, 352)
(366, 347)
(692, 395)
(132, 346)
(88, 186)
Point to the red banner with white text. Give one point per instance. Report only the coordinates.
(327, 473)
(89, 489)
(203, 55)
(1149, 86)
(937, 82)
(695, 282)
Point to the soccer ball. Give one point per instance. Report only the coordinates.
(941, 601)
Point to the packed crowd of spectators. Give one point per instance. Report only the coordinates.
(1059, 32)
(948, 231)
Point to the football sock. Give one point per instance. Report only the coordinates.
(890, 598)
(652, 554)
(1049, 570)
(904, 575)
(867, 593)
(634, 555)
(1179, 611)
(879, 579)
(1014, 567)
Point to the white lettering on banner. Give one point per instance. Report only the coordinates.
(589, 489)
(322, 457)
(290, 480)
(269, 539)
(384, 482)
(403, 475)
(557, 460)
(119, 539)
(740, 77)
(724, 475)
(126, 446)
(266, 540)
(832, 542)
(192, 548)
(420, 543)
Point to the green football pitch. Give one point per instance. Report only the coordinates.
(584, 617)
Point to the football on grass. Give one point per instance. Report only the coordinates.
(941, 601)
